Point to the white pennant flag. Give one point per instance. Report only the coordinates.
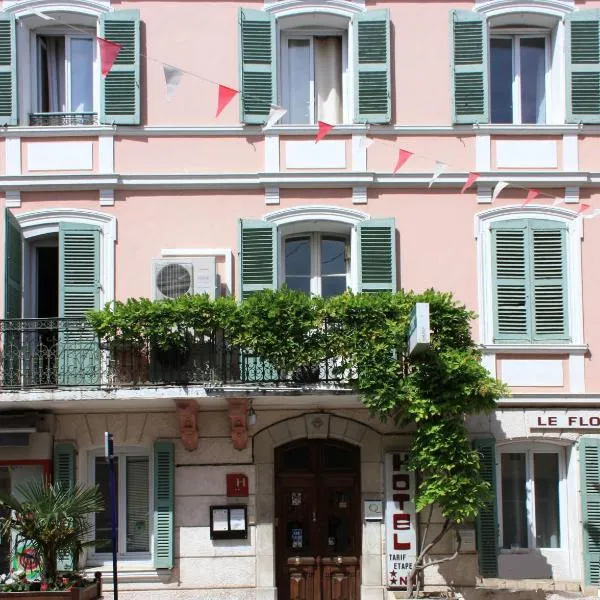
(44, 16)
(440, 167)
(557, 201)
(365, 142)
(498, 189)
(275, 114)
(591, 214)
(173, 77)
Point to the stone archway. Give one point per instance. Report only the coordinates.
(317, 425)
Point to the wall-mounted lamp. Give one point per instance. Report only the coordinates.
(251, 415)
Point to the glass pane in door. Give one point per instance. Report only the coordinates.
(533, 80)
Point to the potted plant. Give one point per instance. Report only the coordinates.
(48, 522)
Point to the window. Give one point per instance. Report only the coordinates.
(301, 61)
(530, 498)
(312, 70)
(132, 474)
(317, 264)
(518, 78)
(530, 280)
(64, 77)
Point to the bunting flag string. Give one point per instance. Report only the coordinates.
(173, 77)
(324, 129)
(473, 177)
(403, 156)
(108, 54)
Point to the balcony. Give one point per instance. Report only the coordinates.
(63, 353)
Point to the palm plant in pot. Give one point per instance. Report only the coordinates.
(51, 521)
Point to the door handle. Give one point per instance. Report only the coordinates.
(314, 516)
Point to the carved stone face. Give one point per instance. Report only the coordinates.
(239, 433)
(187, 413)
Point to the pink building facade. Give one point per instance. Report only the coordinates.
(122, 186)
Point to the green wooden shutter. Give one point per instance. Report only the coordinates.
(8, 70)
(120, 89)
(376, 255)
(549, 280)
(486, 524)
(530, 280)
(510, 260)
(258, 256)
(79, 292)
(164, 503)
(469, 67)
(64, 474)
(583, 66)
(12, 343)
(13, 265)
(372, 77)
(589, 466)
(258, 65)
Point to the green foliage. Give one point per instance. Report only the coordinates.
(365, 336)
(52, 519)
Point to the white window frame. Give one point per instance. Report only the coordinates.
(38, 223)
(485, 268)
(529, 449)
(315, 238)
(332, 220)
(68, 34)
(284, 77)
(106, 557)
(516, 35)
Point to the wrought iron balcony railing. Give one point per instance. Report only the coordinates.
(59, 119)
(56, 353)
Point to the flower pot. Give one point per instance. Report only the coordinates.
(87, 592)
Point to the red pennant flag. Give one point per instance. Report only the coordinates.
(473, 177)
(583, 208)
(108, 55)
(531, 195)
(324, 129)
(403, 156)
(226, 95)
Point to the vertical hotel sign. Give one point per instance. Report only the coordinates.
(400, 519)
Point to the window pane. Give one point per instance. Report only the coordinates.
(138, 508)
(82, 59)
(328, 78)
(333, 286)
(301, 284)
(333, 260)
(514, 511)
(501, 80)
(299, 81)
(533, 80)
(51, 73)
(547, 527)
(297, 256)
(103, 525)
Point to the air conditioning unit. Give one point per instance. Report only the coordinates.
(175, 277)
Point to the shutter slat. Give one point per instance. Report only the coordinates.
(121, 86)
(373, 74)
(589, 458)
(164, 502)
(377, 255)
(486, 524)
(258, 65)
(469, 67)
(583, 66)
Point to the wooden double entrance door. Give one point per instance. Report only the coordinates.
(318, 521)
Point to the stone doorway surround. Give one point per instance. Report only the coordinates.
(318, 425)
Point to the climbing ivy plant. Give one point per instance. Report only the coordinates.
(367, 334)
